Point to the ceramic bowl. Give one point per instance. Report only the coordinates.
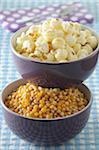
(45, 131)
(49, 74)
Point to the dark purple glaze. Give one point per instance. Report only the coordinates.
(56, 75)
(45, 131)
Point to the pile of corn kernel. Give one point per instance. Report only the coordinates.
(55, 40)
(37, 102)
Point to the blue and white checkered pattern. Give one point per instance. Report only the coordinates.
(89, 137)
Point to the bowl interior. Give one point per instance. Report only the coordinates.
(13, 85)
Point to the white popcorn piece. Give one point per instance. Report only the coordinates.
(59, 33)
(70, 49)
(35, 57)
(22, 34)
(82, 39)
(71, 40)
(58, 43)
(19, 40)
(67, 27)
(76, 28)
(92, 41)
(55, 23)
(40, 42)
(72, 57)
(49, 35)
(82, 53)
(88, 33)
(77, 47)
(88, 48)
(33, 29)
(37, 53)
(45, 25)
(45, 48)
(28, 45)
(42, 49)
(71, 53)
(50, 57)
(55, 40)
(61, 54)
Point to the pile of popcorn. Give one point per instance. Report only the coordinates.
(55, 40)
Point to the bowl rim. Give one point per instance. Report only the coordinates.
(44, 119)
(52, 63)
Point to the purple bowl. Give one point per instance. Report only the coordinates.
(54, 74)
(45, 131)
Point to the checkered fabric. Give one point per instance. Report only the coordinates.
(88, 139)
(12, 20)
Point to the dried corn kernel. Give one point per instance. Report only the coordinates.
(38, 102)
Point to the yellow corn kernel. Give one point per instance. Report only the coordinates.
(39, 95)
(44, 109)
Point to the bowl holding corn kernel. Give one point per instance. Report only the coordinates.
(55, 52)
(45, 116)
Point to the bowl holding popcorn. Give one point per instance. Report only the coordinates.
(55, 52)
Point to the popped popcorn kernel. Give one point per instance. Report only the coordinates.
(55, 40)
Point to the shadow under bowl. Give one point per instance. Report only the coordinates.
(45, 131)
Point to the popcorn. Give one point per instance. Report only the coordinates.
(25, 54)
(82, 38)
(88, 48)
(55, 40)
(45, 51)
(20, 39)
(88, 33)
(71, 53)
(67, 27)
(37, 53)
(22, 35)
(58, 43)
(45, 25)
(55, 23)
(71, 39)
(70, 49)
(72, 57)
(92, 41)
(76, 47)
(31, 55)
(59, 33)
(33, 29)
(61, 54)
(50, 57)
(29, 45)
(76, 28)
(82, 53)
(42, 44)
(49, 35)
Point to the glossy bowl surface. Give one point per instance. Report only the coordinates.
(45, 131)
(49, 74)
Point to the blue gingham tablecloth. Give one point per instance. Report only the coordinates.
(88, 139)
